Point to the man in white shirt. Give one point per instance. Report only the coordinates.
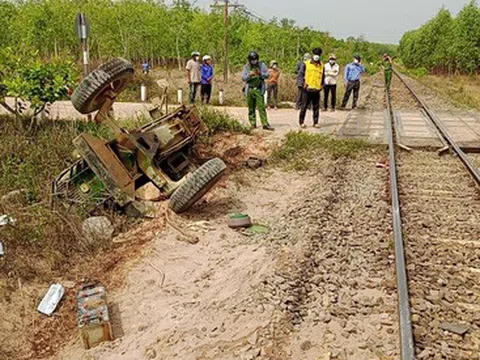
(332, 70)
(194, 76)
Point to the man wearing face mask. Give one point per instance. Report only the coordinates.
(353, 74)
(194, 75)
(332, 70)
(254, 75)
(313, 77)
(272, 84)
(301, 90)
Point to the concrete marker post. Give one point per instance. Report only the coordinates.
(143, 92)
(221, 97)
(180, 96)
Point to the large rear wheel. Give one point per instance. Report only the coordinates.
(197, 185)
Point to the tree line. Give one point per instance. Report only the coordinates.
(163, 34)
(445, 44)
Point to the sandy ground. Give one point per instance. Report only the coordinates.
(201, 306)
(309, 289)
(319, 285)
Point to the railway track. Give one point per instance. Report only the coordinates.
(436, 209)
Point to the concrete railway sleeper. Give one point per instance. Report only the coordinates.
(437, 274)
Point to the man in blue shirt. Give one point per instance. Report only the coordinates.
(353, 74)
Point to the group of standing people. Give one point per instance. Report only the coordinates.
(200, 75)
(313, 77)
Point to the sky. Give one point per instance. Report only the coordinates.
(378, 20)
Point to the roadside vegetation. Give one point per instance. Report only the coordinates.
(42, 242)
(301, 151)
(445, 44)
(166, 35)
(462, 90)
(29, 160)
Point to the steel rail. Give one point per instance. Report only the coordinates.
(406, 333)
(445, 134)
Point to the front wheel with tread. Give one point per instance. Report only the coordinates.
(197, 185)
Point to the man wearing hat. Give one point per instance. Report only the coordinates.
(254, 75)
(353, 74)
(194, 76)
(332, 70)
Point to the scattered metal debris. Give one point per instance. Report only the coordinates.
(236, 221)
(93, 315)
(51, 299)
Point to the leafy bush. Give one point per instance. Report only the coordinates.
(25, 77)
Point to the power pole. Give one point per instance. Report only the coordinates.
(226, 7)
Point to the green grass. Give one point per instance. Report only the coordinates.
(301, 150)
(219, 121)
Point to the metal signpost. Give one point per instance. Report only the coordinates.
(83, 31)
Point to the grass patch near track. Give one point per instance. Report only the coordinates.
(219, 121)
(461, 90)
(302, 150)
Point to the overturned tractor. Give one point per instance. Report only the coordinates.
(160, 152)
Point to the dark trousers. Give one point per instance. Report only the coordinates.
(272, 91)
(355, 87)
(300, 96)
(206, 93)
(329, 89)
(193, 92)
(310, 98)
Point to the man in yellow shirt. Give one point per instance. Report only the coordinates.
(312, 74)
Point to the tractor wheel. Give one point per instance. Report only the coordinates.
(197, 185)
(114, 75)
